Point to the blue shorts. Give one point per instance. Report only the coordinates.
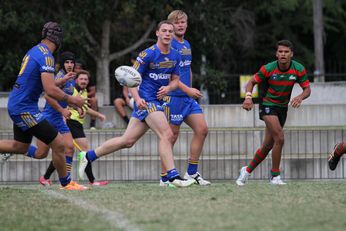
(177, 108)
(57, 121)
(153, 106)
(26, 120)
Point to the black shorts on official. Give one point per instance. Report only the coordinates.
(76, 129)
(280, 112)
(43, 131)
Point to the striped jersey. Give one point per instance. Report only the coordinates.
(28, 87)
(277, 84)
(184, 49)
(156, 69)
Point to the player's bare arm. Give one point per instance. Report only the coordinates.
(141, 104)
(63, 111)
(67, 77)
(173, 84)
(297, 101)
(248, 103)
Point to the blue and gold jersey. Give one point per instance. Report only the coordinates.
(28, 87)
(156, 69)
(184, 49)
(67, 88)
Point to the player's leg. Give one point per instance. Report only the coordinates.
(275, 129)
(200, 131)
(335, 155)
(158, 123)
(133, 132)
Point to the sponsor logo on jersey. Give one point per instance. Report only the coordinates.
(185, 63)
(185, 51)
(177, 117)
(267, 110)
(48, 68)
(159, 76)
(275, 76)
(292, 77)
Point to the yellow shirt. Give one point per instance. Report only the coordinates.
(74, 112)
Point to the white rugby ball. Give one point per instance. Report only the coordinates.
(128, 76)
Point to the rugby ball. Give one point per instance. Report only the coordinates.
(128, 76)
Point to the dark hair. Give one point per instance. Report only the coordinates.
(285, 43)
(67, 55)
(53, 32)
(83, 72)
(163, 22)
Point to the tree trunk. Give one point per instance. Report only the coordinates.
(318, 41)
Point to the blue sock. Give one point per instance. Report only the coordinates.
(172, 173)
(65, 180)
(91, 155)
(31, 151)
(192, 167)
(164, 177)
(69, 160)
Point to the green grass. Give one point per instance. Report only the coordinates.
(223, 206)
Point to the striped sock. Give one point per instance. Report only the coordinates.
(172, 173)
(68, 164)
(164, 176)
(65, 180)
(91, 155)
(192, 167)
(339, 150)
(257, 159)
(31, 151)
(275, 172)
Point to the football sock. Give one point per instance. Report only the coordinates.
(164, 176)
(126, 119)
(89, 172)
(275, 172)
(65, 180)
(173, 173)
(31, 151)
(192, 167)
(68, 164)
(49, 171)
(340, 150)
(91, 155)
(257, 159)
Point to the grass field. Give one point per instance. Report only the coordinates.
(299, 205)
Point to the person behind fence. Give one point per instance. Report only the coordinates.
(35, 76)
(334, 156)
(277, 80)
(181, 105)
(159, 68)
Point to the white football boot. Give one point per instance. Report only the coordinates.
(82, 163)
(4, 157)
(181, 183)
(276, 180)
(166, 184)
(243, 177)
(198, 178)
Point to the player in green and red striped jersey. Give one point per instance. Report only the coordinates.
(277, 80)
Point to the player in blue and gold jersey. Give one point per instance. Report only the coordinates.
(37, 74)
(159, 68)
(181, 105)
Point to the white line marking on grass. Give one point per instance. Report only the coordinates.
(116, 219)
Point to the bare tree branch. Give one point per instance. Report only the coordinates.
(94, 44)
(134, 46)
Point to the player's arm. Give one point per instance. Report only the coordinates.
(190, 91)
(60, 82)
(297, 101)
(140, 103)
(56, 93)
(126, 95)
(96, 114)
(248, 104)
(173, 84)
(63, 111)
(91, 91)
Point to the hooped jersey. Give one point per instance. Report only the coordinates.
(278, 84)
(28, 86)
(184, 49)
(156, 69)
(67, 88)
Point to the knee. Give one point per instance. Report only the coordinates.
(58, 146)
(69, 149)
(20, 148)
(170, 136)
(202, 131)
(279, 139)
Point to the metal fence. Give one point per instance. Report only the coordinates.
(224, 153)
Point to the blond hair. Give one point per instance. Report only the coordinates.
(176, 15)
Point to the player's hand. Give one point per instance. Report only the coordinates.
(81, 112)
(247, 104)
(296, 101)
(102, 117)
(194, 93)
(66, 113)
(70, 75)
(163, 91)
(78, 101)
(141, 104)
